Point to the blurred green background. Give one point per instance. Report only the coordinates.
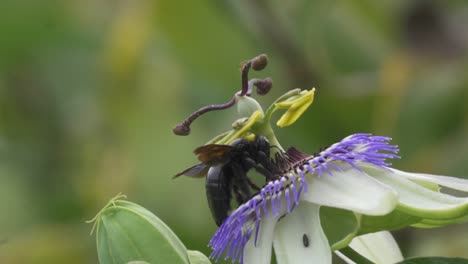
(90, 90)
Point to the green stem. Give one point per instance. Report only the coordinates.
(354, 256)
(266, 130)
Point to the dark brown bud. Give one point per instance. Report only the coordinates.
(260, 62)
(264, 86)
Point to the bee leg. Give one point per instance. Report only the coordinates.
(253, 185)
(248, 163)
(266, 173)
(237, 194)
(241, 181)
(266, 162)
(263, 145)
(243, 191)
(281, 161)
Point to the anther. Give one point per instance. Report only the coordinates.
(258, 63)
(263, 86)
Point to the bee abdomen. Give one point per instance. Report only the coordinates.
(218, 193)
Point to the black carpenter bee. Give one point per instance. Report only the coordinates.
(226, 168)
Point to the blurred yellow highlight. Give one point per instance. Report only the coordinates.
(128, 37)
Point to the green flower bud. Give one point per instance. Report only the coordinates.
(127, 232)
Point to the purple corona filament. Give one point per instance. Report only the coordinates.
(232, 236)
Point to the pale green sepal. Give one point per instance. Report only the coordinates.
(246, 106)
(299, 227)
(380, 247)
(128, 232)
(447, 181)
(429, 185)
(392, 221)
(295, 106)
(421, 225)
(419, 201)
(341, 226)
(431, 223)
(196, 257)
(434, 260)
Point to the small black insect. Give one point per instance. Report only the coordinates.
(226, 167)
(305, 240)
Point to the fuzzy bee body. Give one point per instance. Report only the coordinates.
(226, 168)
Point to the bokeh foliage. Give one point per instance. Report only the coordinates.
(89, 92)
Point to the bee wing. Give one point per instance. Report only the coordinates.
(212, 153)
(198, 171)
(208, 155)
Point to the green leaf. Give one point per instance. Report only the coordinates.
(434, 260)
(127, 232)
(196, 257)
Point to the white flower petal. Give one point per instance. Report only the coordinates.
(259, 252)
(380, 247)
(417, 200)
(352, 190)
(447, 181)
(289, 237)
